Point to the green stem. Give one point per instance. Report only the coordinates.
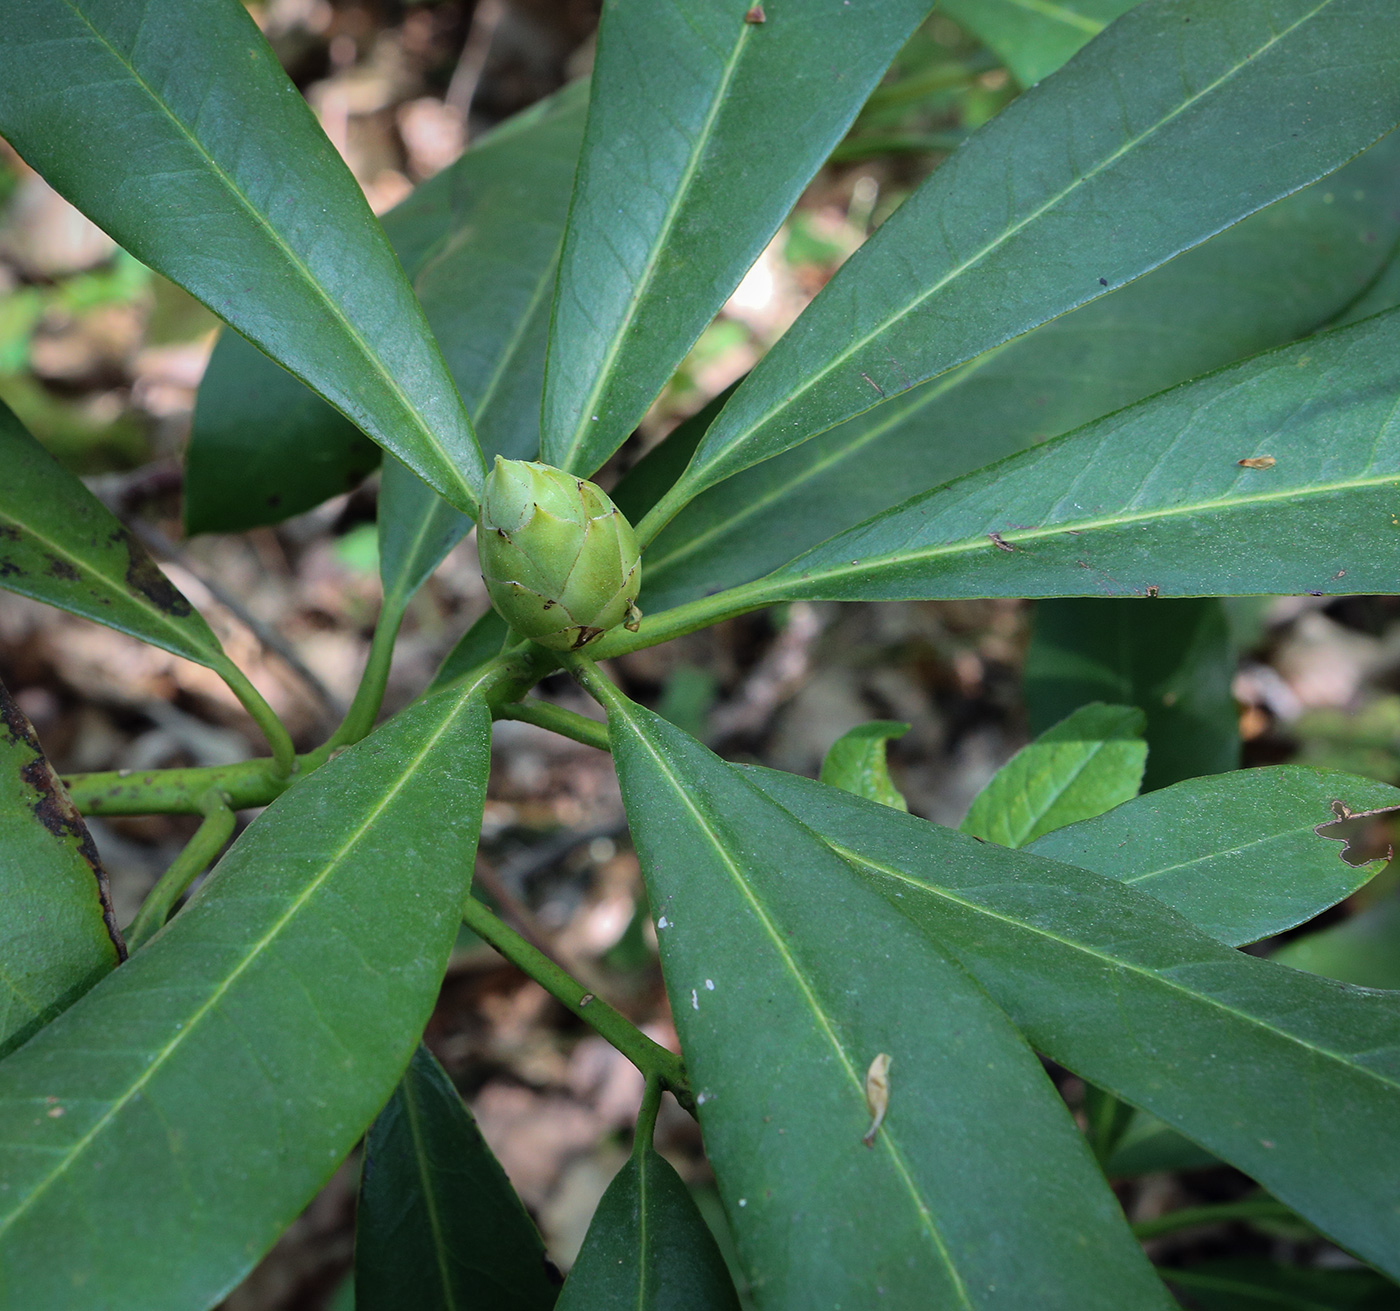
(646, 1117)
(567, 723)
(369, 696)
(1189, 1217)
(199, 852)
(672, 502)
(682, 619)
(649, 1057)
(179, 791)
(284, 754)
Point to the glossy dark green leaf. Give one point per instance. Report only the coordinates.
(856, 762)
(1363, 949)
(171, 125)
(478, 644)
(58, 935)
(649, 1248)
(1173, 659)
(60, 544)
(1150, 1147)
(1088, 763)
(480, 242)
(263, 446)
(416, 529)
(1035, 38)
(703, 132)
(158, 1135)
(784, 990)
(438, 1226)
(1291, 1078)
(1124, 158)
(1152, 501)
(1239, 854)
(1276, 276)
(1254, 1285)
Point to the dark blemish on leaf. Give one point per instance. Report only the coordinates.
(755, 15)
(1362, 842)
(1153, 591)
(61, 569)
(1316, 593)
(585, 636)
(1103, 282)
(1000, 543)
(274, 500)
(873, 383)
(549, 603)
(8, 569)
(9, 532)
(54, 809)
(145, 579)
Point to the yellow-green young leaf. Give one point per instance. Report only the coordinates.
(1242, 855)
(58, 935)
(856, 762)
(1036, 38)
(171, 124)
(1017, 227)
(1292, 1079)
(60, 544)
(158, 1135)
(788, 977)
(648, 1247)
(438, 1224)
(1084, 765)
(1174, 659)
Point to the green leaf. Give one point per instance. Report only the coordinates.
(58, 935)
(703, 132)
(1152, 501)
(263, 446)
(1173, 659)
(1034, 37)
(478, 644)
(784, 990)
(416, 529)
(1020, 225)
(1278, 275)
(1291, 1078)
(158, 1135)
(1084, 765)
(480, 242)
(1253, 1285)
(60, 544)
(1239, 855)
(856, 762)
(1364, 949)
(438, 1225)
(648, 1248)
(172, 126)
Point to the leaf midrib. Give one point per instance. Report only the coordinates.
(887, 1138)
(1086, 758)
(1059, 14)
(430, 1200)
(640, 287)
(811, 380)
(1116, 962)
(159, 1060)
(1118, 519)
(376, 365)
(212, 656)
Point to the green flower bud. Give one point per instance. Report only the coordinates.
(558, 558)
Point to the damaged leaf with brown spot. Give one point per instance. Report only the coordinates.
(60, 544)
(57, 932)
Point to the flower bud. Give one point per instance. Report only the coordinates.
(558, 558)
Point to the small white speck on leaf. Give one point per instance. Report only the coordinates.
(709, 985)
(694, 1000)
(663, 923)
(877, 1095)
